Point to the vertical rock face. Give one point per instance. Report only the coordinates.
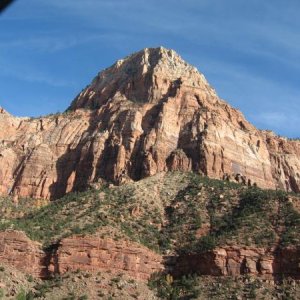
(285, 162)
(148, 113)
(147, 76)
(37, 157)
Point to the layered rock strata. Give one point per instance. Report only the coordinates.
(95, 254)
(148, 113)
(17, 250)
(89, 253)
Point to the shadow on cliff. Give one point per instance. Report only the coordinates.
(75, 167)
(107, 161)
(193, 145)
(140, 165)
(77, 161)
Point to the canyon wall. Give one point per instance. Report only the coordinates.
(148, 113)
(94, 254)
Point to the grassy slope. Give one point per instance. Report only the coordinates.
(168, 213)
(223, 288)
(77, 285)
(173, 212)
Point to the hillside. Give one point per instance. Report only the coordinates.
(149, 186)
(164, 208)
(190, 224)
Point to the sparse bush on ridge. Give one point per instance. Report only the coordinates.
(231, 213)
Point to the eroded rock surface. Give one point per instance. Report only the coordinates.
(148, 113)
(236, 261)
(86, 253)
(17, 250)
(94, 254)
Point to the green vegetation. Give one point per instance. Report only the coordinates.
(178, 212)
(56, 219)
(11, 210)
(172, 213)
(42, 288)
(261, 218)
(22, 295)
(167, 287)
(221, 288)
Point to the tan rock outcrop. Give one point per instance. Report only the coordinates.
(148, 113)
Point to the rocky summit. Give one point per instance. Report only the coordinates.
(149, 186)
(148, 113)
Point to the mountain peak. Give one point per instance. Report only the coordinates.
(155, 56)
(143, 77)
(152, 112)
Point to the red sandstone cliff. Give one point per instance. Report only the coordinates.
(17, 250)
(148, 113)
(94, 254)
(88, 253)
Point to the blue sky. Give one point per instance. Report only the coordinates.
(248, 50)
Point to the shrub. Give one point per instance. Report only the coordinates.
(168, 288)
(206, 243)
(22, 295)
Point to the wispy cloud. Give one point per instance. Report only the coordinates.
(254, 34)
(30, 74)
(278, 121)
(48, 43)
(272, 118)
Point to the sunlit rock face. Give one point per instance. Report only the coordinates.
(148, 113)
